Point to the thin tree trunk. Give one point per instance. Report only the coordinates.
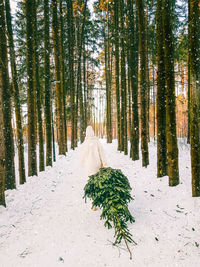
(134, 153)
(161, 96)
(62, 71)
(85, 90)
(38, 89)
(172, 148)
(79, 77)
(2, 131)
(188, 72)
(32, 158)
(48, 110)
(8, 132)
(194, 33)
(116, 16)
(71, 69)
(147, 79)
(123, 84)
(59, 89)
(22, 175)
(143, 82)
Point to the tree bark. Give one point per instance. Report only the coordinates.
(172, 148)
(133, 40)
(38, 89)
(143, 82)
(58, 86)
(194, 34)
(116, 16)
(22, 175)
(2, 137)
(6, 94)
(71, 68)
(62, 71)
(123, 84)
(32, 158)
(161, 96)
(48, 110)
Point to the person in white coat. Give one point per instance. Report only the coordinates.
(91, 154)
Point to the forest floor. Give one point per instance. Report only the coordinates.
(47, 222)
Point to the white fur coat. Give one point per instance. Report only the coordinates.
(91, 153)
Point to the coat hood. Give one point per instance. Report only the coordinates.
(89, 132)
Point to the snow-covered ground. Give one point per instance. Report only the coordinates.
(47, 222)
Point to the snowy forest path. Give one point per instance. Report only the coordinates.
(48, 223)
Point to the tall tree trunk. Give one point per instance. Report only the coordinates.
(59, 89)
(123, 83)
(48, 110)
(194, 34)
(38, 89)
(172, 148)
(8, 132)
(143, 82)
(79, 76)
(188, 72)
(161, 96)
(22, 175)
(134, 82)
(85, 90)
(147, 73)
(2, 129)
(32, 158)
(116, 16)
(108, 78)
(71, 68)
(62, 68)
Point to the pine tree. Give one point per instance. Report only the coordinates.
(2, 137)
(38, 90)
(48, 111)
(62, 68)
(71, 68)
(172, 148)
(143, 82)
(22, 176)
(59, 88)
(6, 95)
(116, 18)
(133, 48)
(123, 84)
(194, 50)
(32, 158)
(161, 96)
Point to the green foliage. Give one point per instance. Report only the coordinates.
(110, 190)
